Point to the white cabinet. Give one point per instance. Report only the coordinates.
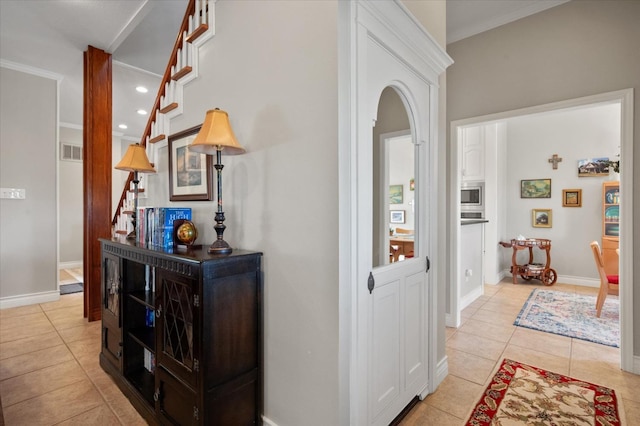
(473, 153)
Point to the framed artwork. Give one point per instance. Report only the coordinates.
(190, 173)
(395, 194)
(535, 188)
(572, 198)
(412, 184)
(541, 218)
(593, 167)
(396, 216)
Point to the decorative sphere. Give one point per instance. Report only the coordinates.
(187, 233)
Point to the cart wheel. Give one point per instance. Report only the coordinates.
(549, 276)
(526, 277)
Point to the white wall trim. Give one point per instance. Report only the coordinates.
(501, 19)
(636, 365)
(30, 70)
(70, 265)
(29, 299)
(268, 421)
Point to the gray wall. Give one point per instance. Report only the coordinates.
(576, 49)
(28, 228)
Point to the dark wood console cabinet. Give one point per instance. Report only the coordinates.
(182, 333)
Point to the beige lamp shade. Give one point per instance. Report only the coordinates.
(216, 135)
(135, 160)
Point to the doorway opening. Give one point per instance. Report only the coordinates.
(623, 100)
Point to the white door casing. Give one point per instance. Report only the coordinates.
(388, 346)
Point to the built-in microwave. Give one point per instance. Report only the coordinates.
(472, 195)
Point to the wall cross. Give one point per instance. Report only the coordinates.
(555, 160)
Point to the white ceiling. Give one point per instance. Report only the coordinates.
(52, 35)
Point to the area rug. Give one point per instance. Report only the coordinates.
(520, 394)
(572, 315)
(71, 288)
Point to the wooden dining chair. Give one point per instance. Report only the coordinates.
(608, 283)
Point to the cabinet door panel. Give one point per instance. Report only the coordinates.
(176, 403)
(111, 287)
(177, 323)
(112, 343)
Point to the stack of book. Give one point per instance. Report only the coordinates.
(155, 225)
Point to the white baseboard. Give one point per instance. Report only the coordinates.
(636, 364)
(585, 282)
(449, 321)
(471, 297)
(442, 370)
(70, 265)
(568, 279)
(29, 299)
(268, 422)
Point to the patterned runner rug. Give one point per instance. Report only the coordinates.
(572, 315)
(520, 394)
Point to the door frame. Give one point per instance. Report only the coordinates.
(625, 98)
(393, 26)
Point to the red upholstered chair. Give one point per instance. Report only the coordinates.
(608, 283)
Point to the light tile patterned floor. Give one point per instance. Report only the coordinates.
(487, 336)
(49, 372)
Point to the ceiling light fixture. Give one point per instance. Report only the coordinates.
(122, 126)
(142, 89)
(142, 112)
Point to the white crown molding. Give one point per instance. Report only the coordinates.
(30, 70)
(502, 19)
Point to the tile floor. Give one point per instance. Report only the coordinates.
(49, 372)
(487, 336)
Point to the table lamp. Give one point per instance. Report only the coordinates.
(135, 160)
(216, 137)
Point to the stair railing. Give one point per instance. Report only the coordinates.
(194, 24)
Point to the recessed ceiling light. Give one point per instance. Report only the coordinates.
(122, 126)
(142, 89)
(142, 112)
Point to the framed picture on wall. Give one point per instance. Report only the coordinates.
(535, 188)
(572, 198)
(395, 194)
(593, 167)
(190, 173)
(396, 216)
(541, 218)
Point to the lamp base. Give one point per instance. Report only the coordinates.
(220, 247)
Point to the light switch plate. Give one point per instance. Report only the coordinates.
(13, 193)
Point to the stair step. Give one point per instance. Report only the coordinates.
(197, 33)
(121, 232)
(157, 138)
(170, 107)
(184, 71)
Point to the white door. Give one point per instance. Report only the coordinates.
(392, 306)
(394, 302)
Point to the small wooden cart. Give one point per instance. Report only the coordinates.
(531, 270)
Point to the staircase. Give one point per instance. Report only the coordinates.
(198, 26)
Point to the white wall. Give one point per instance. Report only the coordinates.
(70, 199)
(574, 135)
(28, 228)
(401, 171)
(273, 67)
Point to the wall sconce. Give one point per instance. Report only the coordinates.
(135, 160)
(216, 137)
